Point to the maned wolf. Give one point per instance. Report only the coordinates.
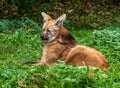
(59, 44)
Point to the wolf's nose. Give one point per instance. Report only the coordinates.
(42, 36)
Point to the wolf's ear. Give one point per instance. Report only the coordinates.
(60, 20)
(46, 17)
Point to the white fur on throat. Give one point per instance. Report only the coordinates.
(51, 39)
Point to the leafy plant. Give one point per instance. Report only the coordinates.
(7, 26)
(24, 45)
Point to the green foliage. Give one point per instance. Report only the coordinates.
(7, 26)
(108, 40)
(108, 37)
(23, 45)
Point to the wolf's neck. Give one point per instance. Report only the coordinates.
(67, 37)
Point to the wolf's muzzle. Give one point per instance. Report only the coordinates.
(43, 37)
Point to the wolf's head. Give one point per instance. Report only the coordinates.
(51, 27)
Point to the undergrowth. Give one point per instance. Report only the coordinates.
(24, 45)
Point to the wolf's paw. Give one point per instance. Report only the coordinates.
(37, 64)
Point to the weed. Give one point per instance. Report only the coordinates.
(24, 45)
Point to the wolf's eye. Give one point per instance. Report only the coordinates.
(48, 30)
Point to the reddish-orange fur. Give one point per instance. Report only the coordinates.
(64, 47)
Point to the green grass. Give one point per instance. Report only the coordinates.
(22, 46)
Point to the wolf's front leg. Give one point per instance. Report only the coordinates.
(47, 60)
(41, 62)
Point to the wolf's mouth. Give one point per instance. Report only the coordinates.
(44, 38)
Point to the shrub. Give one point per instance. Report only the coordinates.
(7, 26)
(108, 40)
